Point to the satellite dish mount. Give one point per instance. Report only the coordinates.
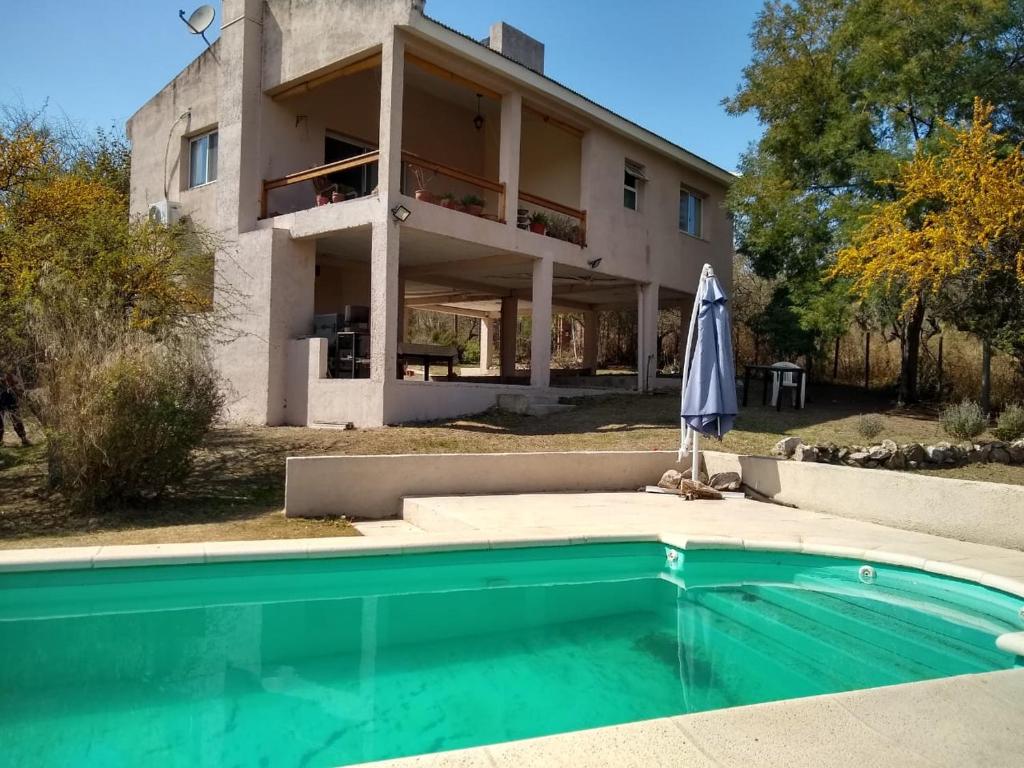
(199, 22)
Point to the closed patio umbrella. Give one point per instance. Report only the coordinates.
(709, 373)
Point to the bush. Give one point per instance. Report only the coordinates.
(1011, 423)
(122, 419)
(870, 425)
(964, 421)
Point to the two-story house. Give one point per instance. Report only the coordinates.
(358, 159)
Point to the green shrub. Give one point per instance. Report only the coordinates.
(869, 425)
(1010, 425)
(963, 421)
(122, 420)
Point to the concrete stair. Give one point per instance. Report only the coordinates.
(532, 405)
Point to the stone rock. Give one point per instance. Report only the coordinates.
(805, 453)
(913, 465)
(1016, 451)
(688, 475)
(859, 458)
(914, 452)
(936, 454)
(725, 481)
(670, 480)
(843, 454)
(879, 453)
(898, 460)
(1000, 455)
(890, 446)
(786, 446)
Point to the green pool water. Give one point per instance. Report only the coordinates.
(338, 661)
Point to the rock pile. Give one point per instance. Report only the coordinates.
(890, 455)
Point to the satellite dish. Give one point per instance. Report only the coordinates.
(199, 22)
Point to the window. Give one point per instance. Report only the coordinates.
(631, 186)
(355, 182)
(691, 213)
(202, 159)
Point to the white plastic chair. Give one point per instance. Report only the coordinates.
(787, 376)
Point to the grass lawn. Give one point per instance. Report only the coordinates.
(237, 490)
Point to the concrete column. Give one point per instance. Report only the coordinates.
(392, 87)
(647, 335)
(591, 326)
(509, 332)
(486, 342)
(685, 312)
(403, 315)
(540, 323)
(508, 153)
(239, 185)
(384, 301)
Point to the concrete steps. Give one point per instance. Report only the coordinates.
(532, 404)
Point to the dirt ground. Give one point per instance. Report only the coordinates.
(237, 489)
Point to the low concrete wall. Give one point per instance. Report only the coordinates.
(985, 513)
(373, 486)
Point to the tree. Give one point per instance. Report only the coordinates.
(954, 234)
(846, 90)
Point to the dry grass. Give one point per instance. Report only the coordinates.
(237, 490)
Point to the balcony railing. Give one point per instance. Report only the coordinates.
(576, 234)
(317, 172)
(469, 181)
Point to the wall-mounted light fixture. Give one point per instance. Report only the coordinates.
(401, 213)
(594, 263)
(478, 121)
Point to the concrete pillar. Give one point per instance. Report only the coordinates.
(508, 153)
(509, 333)
(239, 185)
(385, 300)
(540, 323)
(486, 342)
(685, 312)
(591, 327)
(392, 87)
(647, 335)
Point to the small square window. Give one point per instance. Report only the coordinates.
(202, 159)
(691, 213)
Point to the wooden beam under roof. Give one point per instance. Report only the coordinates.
(447, 74)
(296, 89)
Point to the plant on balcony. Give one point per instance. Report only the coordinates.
(474, 204)
(539, 222)
(448, 200)
(563, 228)
(422, 179)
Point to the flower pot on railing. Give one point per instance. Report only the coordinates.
(322, 199)
(337, 197)
(425, 195)
(448, 201)
(539, 227)
(474, 205)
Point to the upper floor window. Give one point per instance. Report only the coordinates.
(691, 212)
(634, 177)
(202, 159)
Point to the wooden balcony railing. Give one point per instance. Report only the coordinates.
(309, 174)
(565, 210)
(498, 187)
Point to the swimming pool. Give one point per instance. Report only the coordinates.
(343, 660)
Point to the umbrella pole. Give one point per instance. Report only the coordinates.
(695, 455)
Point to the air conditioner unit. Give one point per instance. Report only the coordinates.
(166, 212)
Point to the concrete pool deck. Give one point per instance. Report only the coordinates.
(972, 720)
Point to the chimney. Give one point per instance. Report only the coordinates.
(517, 45)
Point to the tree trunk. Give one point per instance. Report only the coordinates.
(835, 363)
(867, 360)
(985, 400)
(939, 365)
(912, 353)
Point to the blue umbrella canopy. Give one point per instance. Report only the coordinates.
(709, 392)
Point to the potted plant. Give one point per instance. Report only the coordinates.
(448, 200)
(560, 227)
(539, 222)
(422, 179)
(474, 204)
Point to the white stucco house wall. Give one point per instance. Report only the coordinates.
(300, 139)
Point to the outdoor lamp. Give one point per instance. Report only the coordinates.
(401, 213)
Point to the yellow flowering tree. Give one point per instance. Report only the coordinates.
(953, 236)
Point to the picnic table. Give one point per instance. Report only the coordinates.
(427, 354)
(768, 373)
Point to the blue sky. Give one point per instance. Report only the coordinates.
(665, 64)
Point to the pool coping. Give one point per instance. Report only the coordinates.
(130, 555)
